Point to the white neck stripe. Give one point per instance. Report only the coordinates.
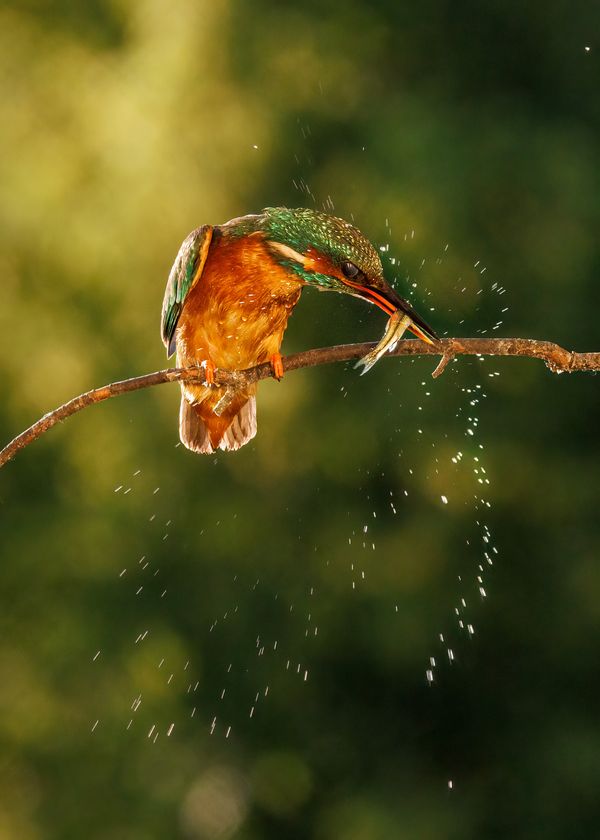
(288, 252)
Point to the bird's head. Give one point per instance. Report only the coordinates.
(332, 255)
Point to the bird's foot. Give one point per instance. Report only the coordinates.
(209, 371)
(277, 365)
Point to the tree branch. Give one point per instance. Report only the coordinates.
(556, 358)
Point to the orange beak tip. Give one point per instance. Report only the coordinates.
(420, 334)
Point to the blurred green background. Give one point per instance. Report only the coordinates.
(239, 646)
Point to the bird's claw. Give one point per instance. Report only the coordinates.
(209, 371)
(277, 365)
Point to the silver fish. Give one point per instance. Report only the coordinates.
(397, 325)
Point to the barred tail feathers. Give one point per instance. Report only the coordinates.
(242, 427)
(192, 429)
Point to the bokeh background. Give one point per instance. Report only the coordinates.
(381, 619)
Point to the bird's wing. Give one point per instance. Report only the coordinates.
(187, 270)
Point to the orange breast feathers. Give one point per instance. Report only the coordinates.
(237, 312)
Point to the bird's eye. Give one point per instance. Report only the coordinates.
(350, 270)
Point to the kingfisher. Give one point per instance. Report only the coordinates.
(230, 293)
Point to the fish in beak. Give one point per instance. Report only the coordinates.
(402, 317)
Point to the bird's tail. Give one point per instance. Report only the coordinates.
(203, 431)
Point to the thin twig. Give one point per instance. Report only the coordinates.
(556, 358)
(443, 363)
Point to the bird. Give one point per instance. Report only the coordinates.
(230, 293)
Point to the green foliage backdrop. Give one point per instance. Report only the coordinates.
(289, 597)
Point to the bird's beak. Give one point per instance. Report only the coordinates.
(387, 299)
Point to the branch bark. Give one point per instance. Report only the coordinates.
(556, 358)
